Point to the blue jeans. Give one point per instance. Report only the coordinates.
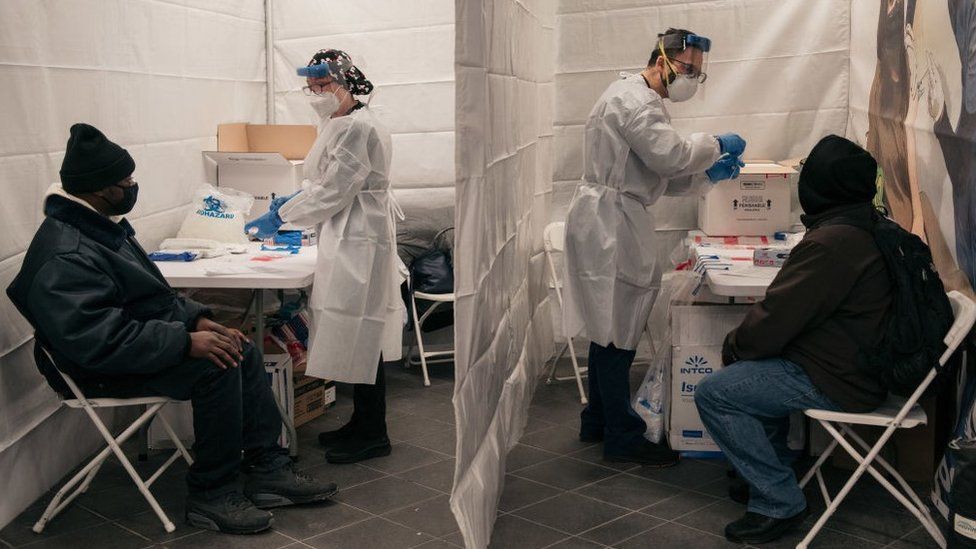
(746, 407)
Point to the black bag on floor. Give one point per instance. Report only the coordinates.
(920, 314)
(962, 494)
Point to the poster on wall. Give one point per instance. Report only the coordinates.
(913, 106)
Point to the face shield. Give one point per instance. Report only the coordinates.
(321, 75)
(676, 42)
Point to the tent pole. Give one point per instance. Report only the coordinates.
(269, 59)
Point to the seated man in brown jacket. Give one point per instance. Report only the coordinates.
(798, 348)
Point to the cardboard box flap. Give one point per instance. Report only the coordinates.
(262, 159)
(291, 141)
(757, 168)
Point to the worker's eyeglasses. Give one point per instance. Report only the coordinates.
(692, 71)
(316, 89)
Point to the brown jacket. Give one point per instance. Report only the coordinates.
(827, 304)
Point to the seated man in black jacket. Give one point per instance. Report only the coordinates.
(112, 323)
(799, 347)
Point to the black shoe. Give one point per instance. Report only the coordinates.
(756, 528)
(739, 491)
(286, 486)
(231, 513)
(329, 438)
(358, 449)
(647, 454)
(589, 437)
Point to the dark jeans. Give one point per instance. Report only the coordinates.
(609, 410)
(369, 406)
(235, 419)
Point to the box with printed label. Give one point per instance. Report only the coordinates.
(310, 398)
(756, 203)
(697, 335)
(262, 160)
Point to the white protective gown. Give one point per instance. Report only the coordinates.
(632, 156)
(357, 312)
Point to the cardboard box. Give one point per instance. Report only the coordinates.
(312, 397)
(757, 203)
(697, 335)
(261, 160)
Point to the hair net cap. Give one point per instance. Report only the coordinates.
(342, 69)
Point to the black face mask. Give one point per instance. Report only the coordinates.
(129, 196)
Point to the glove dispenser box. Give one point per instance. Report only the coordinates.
(756, 203)
(261, 160)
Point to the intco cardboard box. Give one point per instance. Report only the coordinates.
(697, 335)
(261, 160)
(756, 203)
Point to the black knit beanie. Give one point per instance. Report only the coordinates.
(836, 173)
(92, 162)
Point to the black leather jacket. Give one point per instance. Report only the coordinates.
(97, 302)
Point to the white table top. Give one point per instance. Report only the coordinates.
(278, 272)
(741, 283)
(741, 278)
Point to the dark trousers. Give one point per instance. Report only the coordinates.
(609, 410)
(235, 420)
(369, 406)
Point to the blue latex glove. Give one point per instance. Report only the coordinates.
(278, 202)
(731, 143)
(726, 167)
(265, 226)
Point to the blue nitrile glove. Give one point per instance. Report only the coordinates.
(726, 167)
(278, 202)
(265, 226)
(731, 143)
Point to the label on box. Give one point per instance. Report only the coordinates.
(770, 257)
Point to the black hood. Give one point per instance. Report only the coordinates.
(836, 173)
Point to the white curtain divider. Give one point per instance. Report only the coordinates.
(504, 67)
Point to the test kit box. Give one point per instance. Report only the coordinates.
(259, 159)
(698, 332)
(756, 203)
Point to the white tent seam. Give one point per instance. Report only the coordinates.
(194, 8)
(128, 71)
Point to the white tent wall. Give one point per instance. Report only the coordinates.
(778, 74)
(406, 50)
(503, 332)
(157, 77)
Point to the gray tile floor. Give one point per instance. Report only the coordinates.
(558, 494)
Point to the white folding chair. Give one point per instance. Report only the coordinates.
(424, 357)
(554, 241)
(152, 405)
(896, 413)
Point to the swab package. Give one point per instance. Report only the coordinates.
(217, 214)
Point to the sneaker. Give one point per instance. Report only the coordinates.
(231, 513)
(286, 486)
(647, 454)
(329, 438)
(754, 528)
(358, 449)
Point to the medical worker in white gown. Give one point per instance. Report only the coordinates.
(632, 157)
(357, 312)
